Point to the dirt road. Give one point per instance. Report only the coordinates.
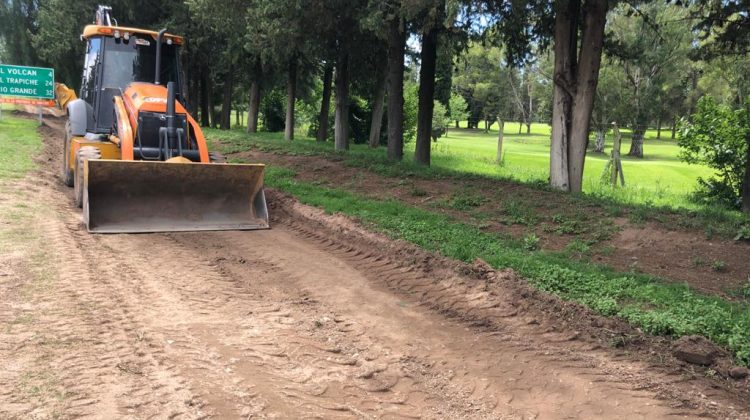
(315, 318)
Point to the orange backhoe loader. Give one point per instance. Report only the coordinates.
(136, 157)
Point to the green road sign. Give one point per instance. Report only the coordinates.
(27, 82)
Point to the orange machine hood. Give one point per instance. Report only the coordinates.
(140, 96)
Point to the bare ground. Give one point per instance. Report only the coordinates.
(667, 250)
(315, 318)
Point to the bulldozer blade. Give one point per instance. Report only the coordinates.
(141, 196)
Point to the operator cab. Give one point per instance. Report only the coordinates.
(128, 55)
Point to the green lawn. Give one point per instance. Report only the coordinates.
(660, 178)
(19, 141)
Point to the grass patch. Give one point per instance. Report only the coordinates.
(465, 200)
(645, 301)
(19, 142)
(519, 212)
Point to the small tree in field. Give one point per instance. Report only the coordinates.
(439, 120)
(719, 136)
(458, 108)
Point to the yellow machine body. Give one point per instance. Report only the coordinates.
(143, 164)
(108, 150)
(63, 95)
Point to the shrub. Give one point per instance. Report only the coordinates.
(272, 110)
(716, 135)
(743, 234)
(457, 108)
(411, 108)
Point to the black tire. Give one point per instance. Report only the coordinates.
(216, 157)
(67, 171)
(84, 153)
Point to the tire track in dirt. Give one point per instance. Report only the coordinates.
(497, 356)
(241, 352)
(95, 347)
(277, 346)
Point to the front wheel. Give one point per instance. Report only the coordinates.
(67, 171)
(84, 153)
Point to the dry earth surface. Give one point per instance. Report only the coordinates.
(662, 249)
(315, 318)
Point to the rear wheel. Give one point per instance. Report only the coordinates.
(67, 171)
(216, 157)
(84, 153)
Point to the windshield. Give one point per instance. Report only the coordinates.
(135, 61)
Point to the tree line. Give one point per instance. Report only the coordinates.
(376, 71)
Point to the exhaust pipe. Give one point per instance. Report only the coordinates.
(170, 132)
(157, 76)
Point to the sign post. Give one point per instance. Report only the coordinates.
(27, 86)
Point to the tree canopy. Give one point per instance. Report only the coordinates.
(373, 70)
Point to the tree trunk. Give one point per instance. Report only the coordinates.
(636, 145)
(216, 118)
(520, 127)
(566, 41)
(456, 123)
(194, 98)
(746, 179)
(426, 96)
(226, 102)
(396, 47)
(500, 137)
(575, 88)
(589, 63)
(237, 117)
(341, 124)
(615, 164)
(211, 108)
(291, 90)
(599, 144)
(377, 106)
(531, 105)
(658, 129)
(205, 119)
(674, 127)
(253, 107)
(325, 104)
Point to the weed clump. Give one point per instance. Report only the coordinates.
(531, 242)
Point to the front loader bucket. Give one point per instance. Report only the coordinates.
(140, 196)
